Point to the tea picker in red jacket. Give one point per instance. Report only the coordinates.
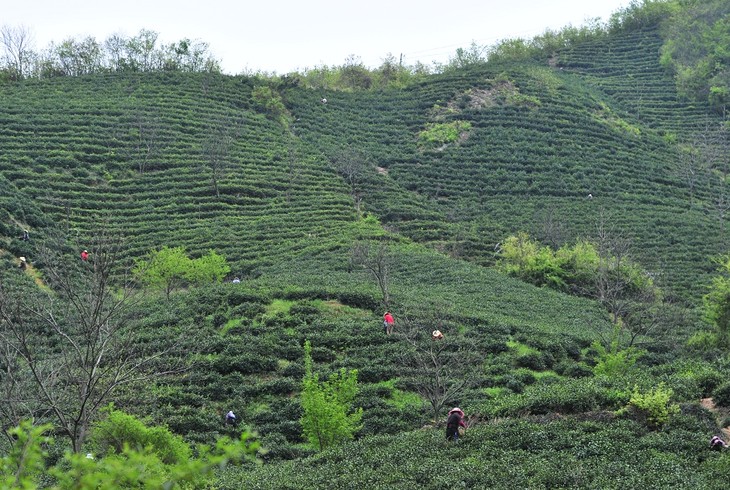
(388, 323)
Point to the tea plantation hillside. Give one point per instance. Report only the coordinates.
(598, 119)
(290, 185)
(167, 161)
(193, 160)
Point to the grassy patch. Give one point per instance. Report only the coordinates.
(521, 349)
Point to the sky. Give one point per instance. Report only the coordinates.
(280, 36)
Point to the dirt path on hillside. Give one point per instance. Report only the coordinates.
(709, 404)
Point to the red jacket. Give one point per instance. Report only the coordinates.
(388, 318)
(84, 255)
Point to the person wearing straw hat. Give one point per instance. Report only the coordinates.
(437, 335)
(455, 420)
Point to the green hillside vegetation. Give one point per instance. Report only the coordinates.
(557, 208)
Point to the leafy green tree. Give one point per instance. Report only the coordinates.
(697, 37)
(208, 268)
(25, 460)
(170, 268)
(354, 75)
(165, 268)
(328, 417)
(717, 302)
(270, 102)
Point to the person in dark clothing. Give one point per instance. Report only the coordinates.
(455, 420)
(26, 236)
(717, 444)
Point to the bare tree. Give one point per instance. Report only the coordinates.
(438, 370)
(634, 308)
(352, 165)
(609, 284)
(293, 166)
(141, 139)
(551, 228)
(17, 42)
(15, 402)
(73, 341)
(377, 260)
(692, 166)
(216, 150)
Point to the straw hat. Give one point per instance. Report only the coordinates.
(456, 409)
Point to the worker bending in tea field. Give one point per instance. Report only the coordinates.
(455, 424)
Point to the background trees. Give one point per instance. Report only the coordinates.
(17, 44)
(73, 57)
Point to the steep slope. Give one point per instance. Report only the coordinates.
(169, 160)
(598, 119)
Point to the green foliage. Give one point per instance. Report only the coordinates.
(697, 36)
(25, 460)
(437, 134)
(598, 451)
(572, 269)
(164, 268)
(601, 116)
(717, 302)
(118, 429)
(170, 268)
(129, 468)
(721, 395)
(210, 268)
(653, 406)
(328, 419)
(615, 362)
(567, 396)
(270, 102)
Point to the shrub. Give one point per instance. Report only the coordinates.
(653, 407)
(721, 395)
(615, 362)
(573, 369)
(118, 429)
(532, 361)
